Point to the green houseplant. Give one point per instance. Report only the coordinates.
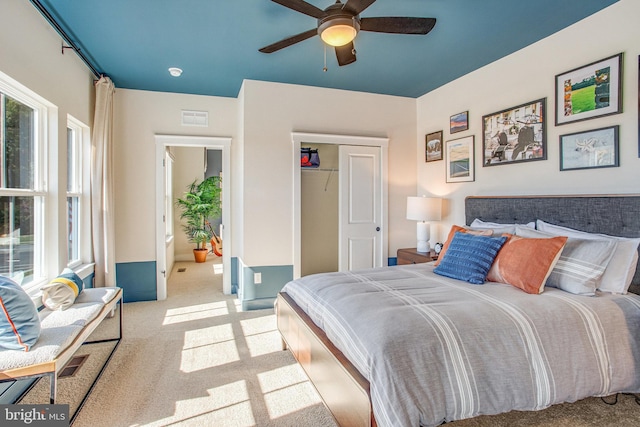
(200, 203)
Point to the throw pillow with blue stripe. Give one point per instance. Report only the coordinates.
(61, 292)
(19, 321)
(470, 257)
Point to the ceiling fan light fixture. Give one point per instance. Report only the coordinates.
(338, 31)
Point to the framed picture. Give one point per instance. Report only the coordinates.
(433, 146)
(515, 135)
(594, 90)
(459, 122)
(460, 159)
(596, 148)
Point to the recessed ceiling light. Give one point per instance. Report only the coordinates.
(175, 72)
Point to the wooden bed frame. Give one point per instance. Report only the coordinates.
(344, 390)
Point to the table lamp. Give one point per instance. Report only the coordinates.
(424, 209)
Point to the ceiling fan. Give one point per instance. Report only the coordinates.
(339, 24)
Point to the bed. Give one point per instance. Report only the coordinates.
(404, 346)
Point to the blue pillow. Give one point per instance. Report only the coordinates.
(469, 257)
(19, 321)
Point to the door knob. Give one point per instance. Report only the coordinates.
(377, 228)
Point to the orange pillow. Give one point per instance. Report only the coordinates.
(452, 232)
(526, 263)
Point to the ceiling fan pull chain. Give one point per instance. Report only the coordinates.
(325, 59)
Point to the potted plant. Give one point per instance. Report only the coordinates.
(200, 202)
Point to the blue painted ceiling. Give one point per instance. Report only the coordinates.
(216, 42)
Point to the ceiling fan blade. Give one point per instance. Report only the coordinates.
(289, 41)
(357, 6)
(346, 54)
(398, 25)
(302, 7)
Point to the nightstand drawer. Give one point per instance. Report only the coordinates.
(412, 256)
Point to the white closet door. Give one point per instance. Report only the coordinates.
(361, 214)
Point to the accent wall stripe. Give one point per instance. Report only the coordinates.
(262, 295)
(234, 275)
(137, 280)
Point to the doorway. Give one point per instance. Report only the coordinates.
(163, 260)
(350, 248)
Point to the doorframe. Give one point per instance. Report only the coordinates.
(210, 143)
(297, 138)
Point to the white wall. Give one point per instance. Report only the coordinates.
(139, 115)
(524, 76)
(271, 112)
(30, 54)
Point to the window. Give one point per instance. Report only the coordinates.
(76, 132)
(22, 189)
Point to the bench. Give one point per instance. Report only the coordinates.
(62, 334)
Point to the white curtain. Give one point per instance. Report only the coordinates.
(102, 185)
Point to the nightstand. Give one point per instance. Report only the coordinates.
(412, 256)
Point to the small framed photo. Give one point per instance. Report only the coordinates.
(460, 159)
(459, 122)
(590, 149)
(593, 90)
(433, 146)
(515, 135)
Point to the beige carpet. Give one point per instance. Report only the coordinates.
(196, 359)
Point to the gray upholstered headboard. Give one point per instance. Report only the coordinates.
(617, 215)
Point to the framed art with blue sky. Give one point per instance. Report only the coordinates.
(459, 122)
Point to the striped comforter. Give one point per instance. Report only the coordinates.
(436, 349)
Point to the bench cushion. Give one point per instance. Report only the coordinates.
(60, 329)
(19, 321)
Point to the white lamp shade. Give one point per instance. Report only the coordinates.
(424, 208)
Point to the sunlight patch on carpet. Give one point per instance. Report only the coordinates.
(207, 336)
(208, 355)
(258, 325)
(279, 402)
(264, 343)
(261, 335)
(195, 312)
(226, 405)
(281, 378)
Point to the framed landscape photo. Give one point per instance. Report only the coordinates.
(433, 146)
(459, 122)
(598, 148)
(515, 135)
(593, 90)
(460, 159)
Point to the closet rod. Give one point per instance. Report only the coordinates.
(63, 34)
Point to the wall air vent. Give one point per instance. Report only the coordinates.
(195, 118)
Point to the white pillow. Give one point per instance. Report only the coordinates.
(619, 273)
(478, 223)
(582, 262)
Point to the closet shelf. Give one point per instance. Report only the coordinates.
(320, 169)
